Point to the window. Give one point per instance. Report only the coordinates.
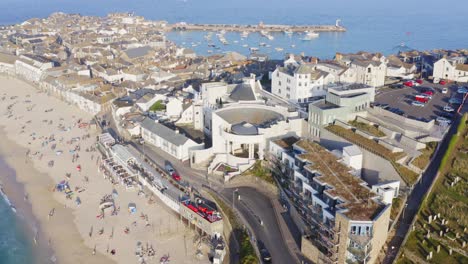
(279, 83)
(368, 70)
(300, 84)
(279, 91)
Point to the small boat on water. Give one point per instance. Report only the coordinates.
(310, 35)
(293, 45)
(244, 34)
(245, 45)
(279, 49)
(262, 44)
(288, 32)
(253, 49)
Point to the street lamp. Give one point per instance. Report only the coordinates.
(233, 193)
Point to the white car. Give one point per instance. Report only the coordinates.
(448, 108)
(417, 103)
(443, 120)
(444, 90)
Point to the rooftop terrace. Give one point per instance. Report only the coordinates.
(358, 199)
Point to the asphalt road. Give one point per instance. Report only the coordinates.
(417, 195)
(402, 99)
(255, 207)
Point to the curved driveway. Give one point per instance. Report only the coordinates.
(255, 207)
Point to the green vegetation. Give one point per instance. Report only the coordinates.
(365, 143)
(260, 170)
(371, 129)
(396, 207)
(423, 160)
(247, 250)
(406, 174)
(409, 176)
(158, 106)
(447, 198)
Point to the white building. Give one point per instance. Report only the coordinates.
(32, 67)
(240, 133)
(342, 102)
(7, 63)
(174, 108)
(352, 157)
(452, 69)
(168, 140)
(299, 83)
(387, 191)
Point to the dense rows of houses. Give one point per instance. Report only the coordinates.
(171, 98)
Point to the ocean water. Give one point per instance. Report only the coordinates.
(372, 25)
(15, 242)
(15, 236)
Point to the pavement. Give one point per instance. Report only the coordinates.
(402, 99)
(416, 197)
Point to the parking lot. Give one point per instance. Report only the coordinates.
(401, 98)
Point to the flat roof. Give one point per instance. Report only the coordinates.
(358, 199)
(325, 105)
(286, 142)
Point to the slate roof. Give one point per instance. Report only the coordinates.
(164, 132)
(137, 52)
(243, 92)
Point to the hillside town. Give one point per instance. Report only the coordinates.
(345, 143)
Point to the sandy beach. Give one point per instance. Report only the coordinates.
(45, 145)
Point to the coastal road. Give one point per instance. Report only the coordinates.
(255, 207)
(416, 196)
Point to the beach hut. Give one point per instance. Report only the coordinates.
(132, 208)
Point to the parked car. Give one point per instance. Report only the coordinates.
(443, 120)
(176, 176)
(419, 81)
(428, 90)
(169, 168)
(428, 94)
(417, 103)
(448, 108)
(444, 90)
(462, 90)
(442, 82)
(264, 253)
(397, 86)
(455, 100)
(421, 98)
(408, 83)
(447, 115)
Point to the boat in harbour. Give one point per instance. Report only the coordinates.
(244, 34)
(310, 35)
(279, 49)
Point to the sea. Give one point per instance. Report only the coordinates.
(386, 26)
